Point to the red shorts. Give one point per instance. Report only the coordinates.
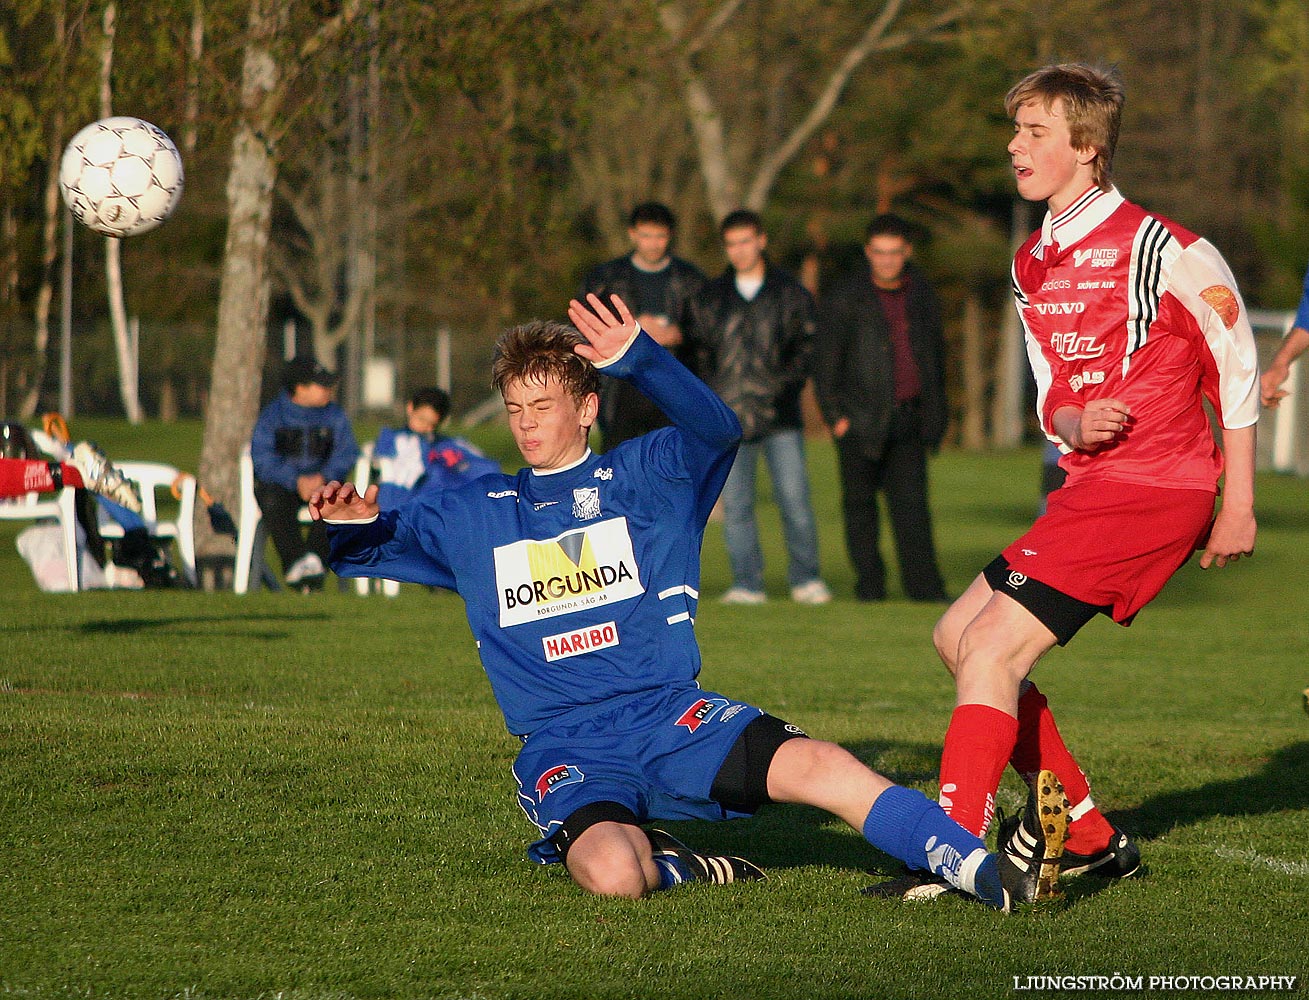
(1113, 545)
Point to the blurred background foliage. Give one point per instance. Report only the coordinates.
(469, 159)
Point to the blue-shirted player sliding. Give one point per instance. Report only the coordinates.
(580, 575)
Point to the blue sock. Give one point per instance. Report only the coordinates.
(906, 824)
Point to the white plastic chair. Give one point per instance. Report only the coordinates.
(250, 533)
(152, 476)
(364, 476)
(60, 506)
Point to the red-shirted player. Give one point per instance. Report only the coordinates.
(1131, 321)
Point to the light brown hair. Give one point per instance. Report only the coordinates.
(1092, 104)
(541, 349)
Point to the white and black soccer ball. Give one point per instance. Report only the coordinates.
(121, 176)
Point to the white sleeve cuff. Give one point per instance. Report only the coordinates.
(350, 520)
(623, 350)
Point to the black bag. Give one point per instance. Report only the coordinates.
(148, 556)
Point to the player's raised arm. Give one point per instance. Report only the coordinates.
(606, 334)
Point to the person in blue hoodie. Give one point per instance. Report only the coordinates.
(301, 441)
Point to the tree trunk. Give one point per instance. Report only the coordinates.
(721, 188)
(194, 66)
(973, 435)
(127, 383)
(49, 235)
(1010, 358)
(243, 292)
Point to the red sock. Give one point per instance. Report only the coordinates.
(977, 747)
(1040, 747)
(26, 475)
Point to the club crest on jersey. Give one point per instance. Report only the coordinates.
(578, 570)
(557, 777)
(586, 503)
(701, 712)
(1223, 301)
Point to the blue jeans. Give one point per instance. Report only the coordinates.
(784, 452)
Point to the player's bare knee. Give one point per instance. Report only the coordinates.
(945, 637)
(609, 879)
(605, 861)
(987, 646)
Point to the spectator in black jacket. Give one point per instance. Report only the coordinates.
(658, 287)
(881, 385)
(754, 325)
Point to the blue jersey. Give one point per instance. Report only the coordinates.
(581, 584)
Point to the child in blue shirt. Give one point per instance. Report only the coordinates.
(415, 457)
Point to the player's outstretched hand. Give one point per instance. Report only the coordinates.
(1271, 392)
(342, 502)
(1232, 536)
(606, 331)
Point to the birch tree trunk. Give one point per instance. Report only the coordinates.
(243, 291)
(973, 430)
(1010, 358)
(50, 207)
(194, 66)
(123, 345)
(241, 338)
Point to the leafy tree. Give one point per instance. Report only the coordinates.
(1278, 88)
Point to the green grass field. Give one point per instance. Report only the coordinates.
(208, 796)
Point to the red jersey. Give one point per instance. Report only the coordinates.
(1117, 303)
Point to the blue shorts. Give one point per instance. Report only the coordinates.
(657, 755)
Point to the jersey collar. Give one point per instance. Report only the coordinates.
(1075, 222)
(586, 457)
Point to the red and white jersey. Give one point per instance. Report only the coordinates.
(1117, 303)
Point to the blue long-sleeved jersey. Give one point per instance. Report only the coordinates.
(580, 585)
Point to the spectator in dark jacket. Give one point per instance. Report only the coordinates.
(754, 326)
(658, 287)
(302, 440)
(881, 385)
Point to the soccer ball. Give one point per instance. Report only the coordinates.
(121, 176)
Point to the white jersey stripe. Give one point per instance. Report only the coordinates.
(674, 591)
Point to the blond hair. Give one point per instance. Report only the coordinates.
(1092, 104)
